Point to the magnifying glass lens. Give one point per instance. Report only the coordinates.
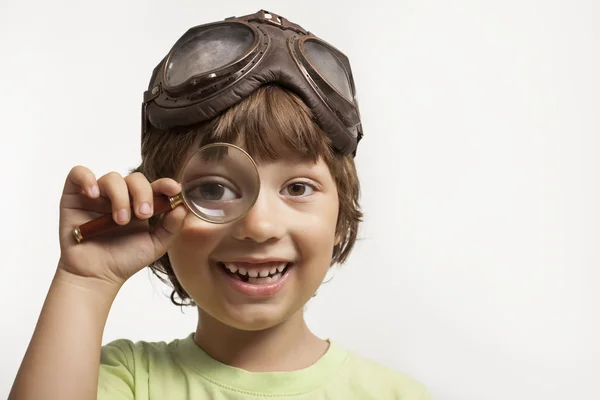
(219, 183)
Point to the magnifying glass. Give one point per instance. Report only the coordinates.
(219, 184)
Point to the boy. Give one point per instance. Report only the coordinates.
(288, 99)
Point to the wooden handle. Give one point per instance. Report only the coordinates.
(106, 223)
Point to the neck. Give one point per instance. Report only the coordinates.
(285, 347)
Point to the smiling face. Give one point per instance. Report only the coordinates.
(307, 213)
(259, 270)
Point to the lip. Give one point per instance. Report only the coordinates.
(251, 290)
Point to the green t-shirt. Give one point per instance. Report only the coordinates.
(182, 370)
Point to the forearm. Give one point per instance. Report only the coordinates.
(62, 360)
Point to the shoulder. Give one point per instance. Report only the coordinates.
(379, 381)
(124, 359)
(129, 352)
(125, 365)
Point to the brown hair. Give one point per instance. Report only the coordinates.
(270, 119)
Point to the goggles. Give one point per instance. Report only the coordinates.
(215, 65)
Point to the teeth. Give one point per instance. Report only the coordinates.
(232, 268)
(254, 274)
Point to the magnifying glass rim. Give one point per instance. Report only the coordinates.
(184, 198)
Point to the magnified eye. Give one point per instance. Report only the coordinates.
(212, 191)
(215, 191)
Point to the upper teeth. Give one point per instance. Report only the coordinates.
(255, 272)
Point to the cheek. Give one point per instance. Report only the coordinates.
(315, 233)
(314, 239)
(193, 245)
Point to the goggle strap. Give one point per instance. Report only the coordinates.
(150, 95)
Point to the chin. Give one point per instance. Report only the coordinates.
(256, 317)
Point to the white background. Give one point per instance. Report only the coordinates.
(478, 269)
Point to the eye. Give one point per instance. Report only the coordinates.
(298, 189)
(211, 190)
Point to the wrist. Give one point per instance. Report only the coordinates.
(101, 287)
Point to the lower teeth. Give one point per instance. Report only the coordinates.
(268, 279)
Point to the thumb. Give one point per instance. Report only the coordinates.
(167, 229)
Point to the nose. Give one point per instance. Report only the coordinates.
(263, 221)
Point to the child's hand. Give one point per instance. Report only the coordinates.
(118, 255)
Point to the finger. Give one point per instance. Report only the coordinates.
(167, 230)
(166, 186)
(171, 222)
(113, 186)
(141, 193)
(81, 179)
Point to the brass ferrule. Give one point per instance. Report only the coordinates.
(77, 234)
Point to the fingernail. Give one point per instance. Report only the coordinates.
(145, 208)
(95, 191)
(122, 215)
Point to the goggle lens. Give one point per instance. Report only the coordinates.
(207, 50)
(329, 66)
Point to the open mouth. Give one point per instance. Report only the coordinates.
(257, 275)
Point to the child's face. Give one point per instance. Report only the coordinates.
(294, 219)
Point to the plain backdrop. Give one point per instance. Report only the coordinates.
(478, 266)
